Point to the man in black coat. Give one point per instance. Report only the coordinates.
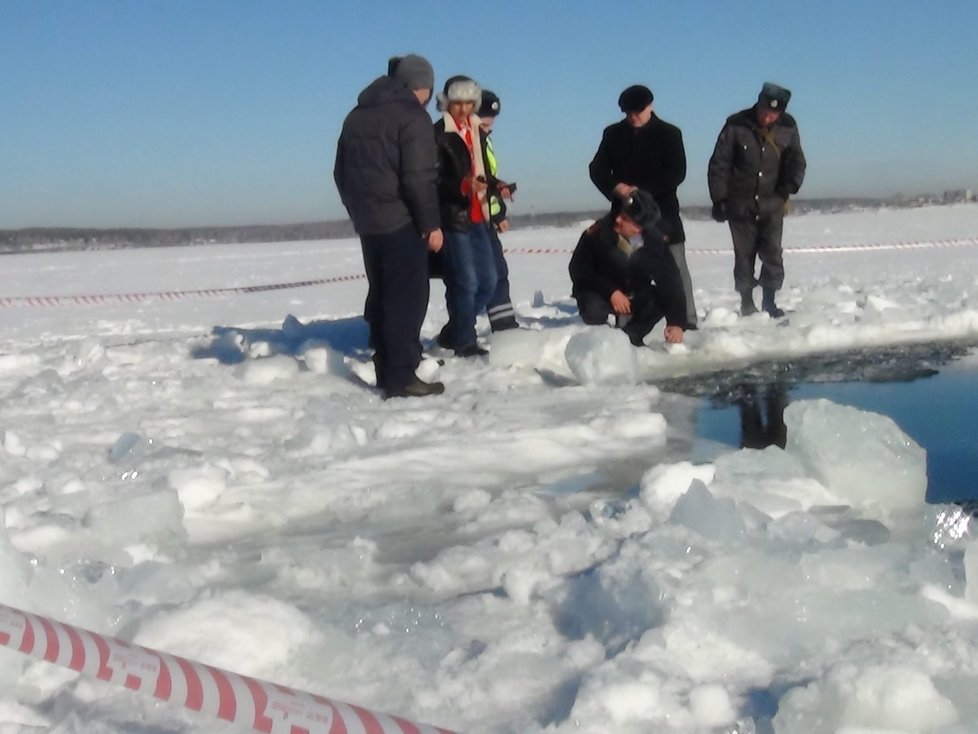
(756, 165)
(385, 171)
(644, 152)
(621, 267)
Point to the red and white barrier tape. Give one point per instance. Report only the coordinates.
(262, 706)
(913, 245)
(98, 299)
(113, 298)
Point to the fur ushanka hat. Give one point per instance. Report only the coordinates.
(459, 89)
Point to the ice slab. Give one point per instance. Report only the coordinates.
(863, 458)
(602, 356)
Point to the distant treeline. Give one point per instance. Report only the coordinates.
(73, 238)
(70, 238)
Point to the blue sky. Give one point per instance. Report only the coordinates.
(167, 113)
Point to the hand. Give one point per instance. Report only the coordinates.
(620, 303)
(719, 211)
(435, 240)
(674, 335)
(478, 184)
(503, 225)
(622, 190)
(505, 193)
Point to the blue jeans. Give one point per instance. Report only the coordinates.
(470, 280)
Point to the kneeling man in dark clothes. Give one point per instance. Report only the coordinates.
(622, 268)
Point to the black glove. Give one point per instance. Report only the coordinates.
(719, 212)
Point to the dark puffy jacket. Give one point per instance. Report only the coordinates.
(752, 174)
(652, 158)
(386, 161)
(599, 266)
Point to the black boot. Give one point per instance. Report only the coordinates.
(747, 307)
(503, 324)
(769, 306)
(417, 388)
(636, 332)
(443, 339)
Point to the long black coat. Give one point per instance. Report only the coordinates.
(599, 266)
(651, 157)
(750, 173)
(386, 161)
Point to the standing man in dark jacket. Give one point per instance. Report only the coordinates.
(756, 165)
(386, 170)
(621, 267)
(644, 152)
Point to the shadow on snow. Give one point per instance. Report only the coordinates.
(235, 344)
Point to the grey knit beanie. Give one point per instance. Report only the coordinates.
(415, 71)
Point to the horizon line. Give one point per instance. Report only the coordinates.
(967, 196)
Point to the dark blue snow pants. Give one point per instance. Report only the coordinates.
(397, 300)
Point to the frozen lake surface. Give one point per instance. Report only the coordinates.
(551, 546)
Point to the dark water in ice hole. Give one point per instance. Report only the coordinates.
(930, 394)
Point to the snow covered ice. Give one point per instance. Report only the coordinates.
(536, 550)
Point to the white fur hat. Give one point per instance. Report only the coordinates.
(459, 89)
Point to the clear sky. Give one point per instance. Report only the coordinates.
(167, 113)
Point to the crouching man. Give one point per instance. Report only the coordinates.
(622, 268)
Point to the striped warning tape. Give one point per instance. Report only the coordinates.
(914, 245)
(257, 704)
(114, 298)
(918, 245)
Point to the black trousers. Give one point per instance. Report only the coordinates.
(646, 311)
(593, 307)
(397, 300)
(754, 238)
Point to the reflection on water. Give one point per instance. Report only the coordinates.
(933, 399)
(762, 416)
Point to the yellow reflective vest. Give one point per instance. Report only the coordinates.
(495, 205)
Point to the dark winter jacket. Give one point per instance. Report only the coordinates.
(386, 161)
(598, 265)
(752, 174)
(652, 158)
(454, 166)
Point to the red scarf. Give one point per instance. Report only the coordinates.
(475, 205)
